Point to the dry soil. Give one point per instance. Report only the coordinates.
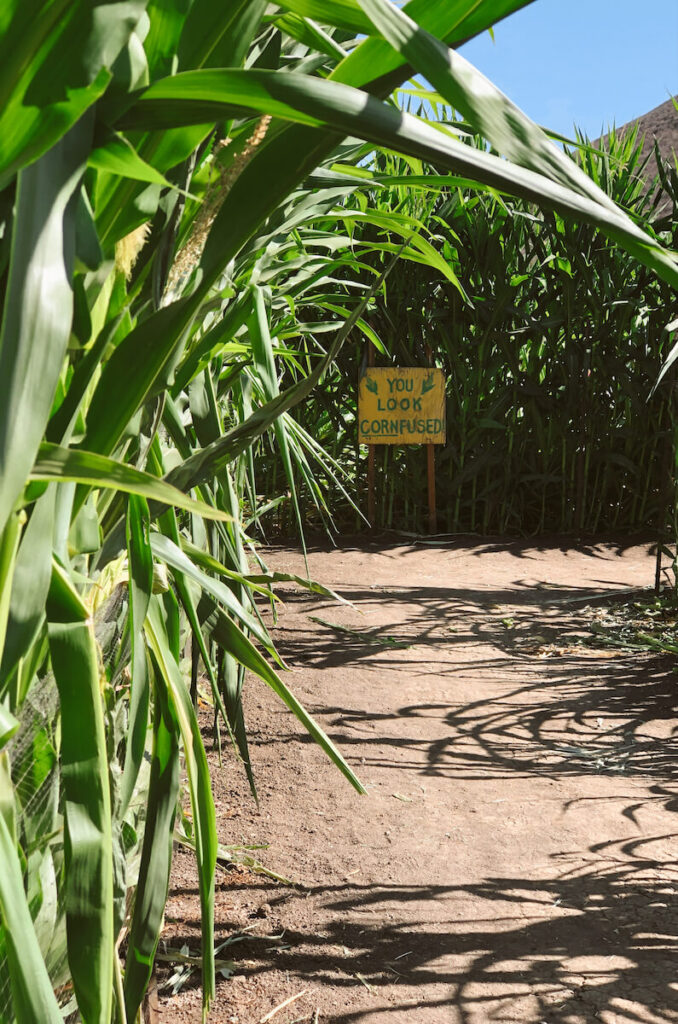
(514, 859)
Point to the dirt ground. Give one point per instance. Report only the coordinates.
(514, 859)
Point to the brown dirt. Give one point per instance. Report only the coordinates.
(514, 860)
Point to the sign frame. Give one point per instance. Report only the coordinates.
(401, 405)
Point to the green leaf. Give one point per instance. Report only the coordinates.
(345, 14)
(207, 561)
(32, 996)
(118, 156)
(140, 561)
(9, 543)
(156, 852)
(488, 110)
(57, 463)
(264, 361)
(318, 102)
(55, 62)
(38, 306)
(311, 34)
(285, 577)
(87, 802)
(202, 804)
(453, 21)
(167, 21)
(229, 636)
(129, 377)
(206, 463)
(212, 342)
(166, 550)
(30, 585)
(169, 524)
(219, 34)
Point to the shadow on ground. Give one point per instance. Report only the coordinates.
(575, 708)
(603, 937)
(595, 937)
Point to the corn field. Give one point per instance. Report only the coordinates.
(180, 189)
(551, 356)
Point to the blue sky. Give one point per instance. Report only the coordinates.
(589, 62)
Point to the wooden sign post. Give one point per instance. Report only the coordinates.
(401, 405)
(431, 469)
(371, 459)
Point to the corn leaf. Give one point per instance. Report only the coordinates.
(156, 852)
(140, 560)
(38, 307)
(30, 585)
(169, 552)
(57, 463)
(87, 814)
(32, 996)
(317, 102)
(229, 636)
(55, 63)
(9, 543)
(202, 803)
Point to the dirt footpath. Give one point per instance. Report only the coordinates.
(514, 860)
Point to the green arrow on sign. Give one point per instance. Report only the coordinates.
(427, 384)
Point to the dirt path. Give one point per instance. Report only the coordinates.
(515, 857)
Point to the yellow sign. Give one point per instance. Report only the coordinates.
(401, 405)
